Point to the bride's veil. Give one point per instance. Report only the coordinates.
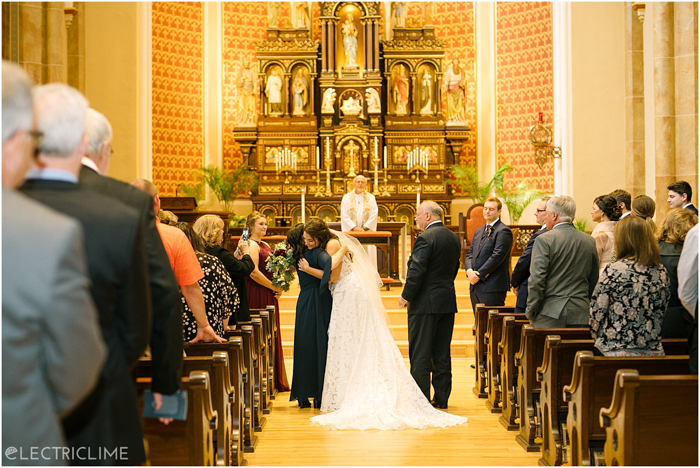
(365, 269)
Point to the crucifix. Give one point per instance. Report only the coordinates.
(351, 147)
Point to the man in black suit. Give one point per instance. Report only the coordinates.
(107, 421)
(521, 271)
(430, 295)
(679, 195)
(488, 259)
(166, 331)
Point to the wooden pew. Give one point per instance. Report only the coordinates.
(480, 350)
(527, 359)
(191, 440)
(554, 374)
(272, 351)
(507, 348)
(245, 334)
(266, 345)
(256, 340)
(260, 343)
(492, 339)
(652, 420)
(234, 349)
(591, 389)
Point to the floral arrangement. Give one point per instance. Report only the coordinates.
(279, 263)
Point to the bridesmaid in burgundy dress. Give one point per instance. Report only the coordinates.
(261, 292)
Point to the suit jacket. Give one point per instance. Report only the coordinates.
(563, 274)
(432, 269)
(491, 258)
(692, 208)
(52, 347)
(166, 332)
(114, 247)
(239, 271)
(521, 272)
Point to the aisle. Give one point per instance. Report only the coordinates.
(289, 439)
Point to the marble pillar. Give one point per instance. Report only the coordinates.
(664, 104)
(634, 103)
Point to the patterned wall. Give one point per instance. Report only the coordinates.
(523, 86)
(178, 133)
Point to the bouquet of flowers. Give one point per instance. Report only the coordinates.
(279, 263)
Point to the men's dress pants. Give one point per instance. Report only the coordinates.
(488, 298)
(543, 321)
(429, 338)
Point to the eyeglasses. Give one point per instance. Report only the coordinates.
(541, 211)
(36, 137)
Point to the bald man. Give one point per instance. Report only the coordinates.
(358, 212)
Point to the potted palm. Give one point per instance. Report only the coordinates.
(518, 198)
(467, 178)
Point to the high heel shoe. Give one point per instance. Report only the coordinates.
(317, 404)
(304, 404)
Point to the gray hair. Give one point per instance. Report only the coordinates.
(98, 130)
(146, 185)
(60, 116)
(433, 208)
(17, 111)
(564, 206)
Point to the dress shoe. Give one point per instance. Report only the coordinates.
(317, 404)
(438, 405)
(304, 404)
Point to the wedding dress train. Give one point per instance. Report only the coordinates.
(367, 384)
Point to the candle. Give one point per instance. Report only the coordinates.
(328, 147)
(540, 116)
(417, 198)
(303, 205)
(385, 157)
(376, 147)
(318, 158)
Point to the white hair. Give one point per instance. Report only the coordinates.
(433, 208)
(60, 116)
(98, 130)
(564, 206)
(17, 111)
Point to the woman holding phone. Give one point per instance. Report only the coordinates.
(211, 229)
(261, 291)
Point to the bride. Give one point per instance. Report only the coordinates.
(366, 384)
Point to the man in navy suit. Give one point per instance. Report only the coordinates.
(429, 294)
(679, 195)
(521, 271)
(488, 258)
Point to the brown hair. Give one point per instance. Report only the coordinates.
(644, 207)
(252, 218)
(318, 229)
(676, 225)
(296, 242)
(608, 205)
(192, 236)
(208, 228)
(634, 240)
(494, 199)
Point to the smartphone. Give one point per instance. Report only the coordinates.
(244, 237)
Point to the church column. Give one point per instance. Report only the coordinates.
(365, 45)
(413, 93)
(324, 47)
(664, 104)
(634, 103)
(286, 94)
(331, 45)
(686, 103)
(375, 38)
(312, 94)
(55, 69)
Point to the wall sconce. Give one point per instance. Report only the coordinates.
(69, 11)
(640, 9)
(541, 138)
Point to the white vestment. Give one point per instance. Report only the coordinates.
(365, 212)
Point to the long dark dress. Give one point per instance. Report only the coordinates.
(313, 315)
(678, 323)
(259, 297)
(238, 270)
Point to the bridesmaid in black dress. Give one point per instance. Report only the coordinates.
(313, 315)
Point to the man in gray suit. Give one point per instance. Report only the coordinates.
(563, 272)
(52, 346)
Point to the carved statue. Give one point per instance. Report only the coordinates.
(350, 40)
(351, 106)
(328, 101)
(426, 92)
(374, 103)
(245, 81)
(400, 92)
(455, 86)
(273, 90)
(399, 14)
(273, 14)
(300, 88)
(302, 9)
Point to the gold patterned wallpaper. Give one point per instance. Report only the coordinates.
(523, 86)
(177, 102)
(524, 78)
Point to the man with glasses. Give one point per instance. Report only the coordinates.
(563, 271)
(521, 271)
(488, 258)
(52, 347)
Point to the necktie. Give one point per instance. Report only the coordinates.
(487, 233)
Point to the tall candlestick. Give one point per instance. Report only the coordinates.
(385, 156)
(318, 157)
(303, 205)
(417, 198)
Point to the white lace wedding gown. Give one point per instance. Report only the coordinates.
(367, 384)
